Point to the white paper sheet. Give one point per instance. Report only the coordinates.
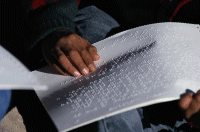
(138, 67)
(14, 75)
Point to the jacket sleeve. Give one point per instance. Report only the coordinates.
(52, 17)
(44, 21)
(34, 4)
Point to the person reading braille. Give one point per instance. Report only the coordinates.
(75, 55)
(70, 52)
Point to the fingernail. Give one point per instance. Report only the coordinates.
(76, 73)
(97, 57)
(85, 71)
(91, 67)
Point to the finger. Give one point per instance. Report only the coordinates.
(88, 60)
(93, 51)
(59, 69)
(65, 62)
(185, 101)
(76, 59)
(194, 106)
(52, 61)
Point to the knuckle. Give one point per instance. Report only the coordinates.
(83, 52)
(79, 47)
(72, 52)
(88, 62)
(71, 36)
(92, 49)
(61, 58)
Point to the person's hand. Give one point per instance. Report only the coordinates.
(190, 104)
(69, 53)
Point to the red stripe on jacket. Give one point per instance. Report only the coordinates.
(178, 8)
(78, 1)
(39, 3)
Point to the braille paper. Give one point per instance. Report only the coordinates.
(138, 67)
(14, 75)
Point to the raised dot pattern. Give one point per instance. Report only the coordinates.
(141, 74)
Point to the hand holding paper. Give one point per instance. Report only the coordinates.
(70, 53)
(190, 104)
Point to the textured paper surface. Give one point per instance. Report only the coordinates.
(14, 75)
(138, 67)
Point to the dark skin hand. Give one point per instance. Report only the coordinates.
(190, 105)
(68, 53)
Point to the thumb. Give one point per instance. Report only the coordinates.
(185, 101)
